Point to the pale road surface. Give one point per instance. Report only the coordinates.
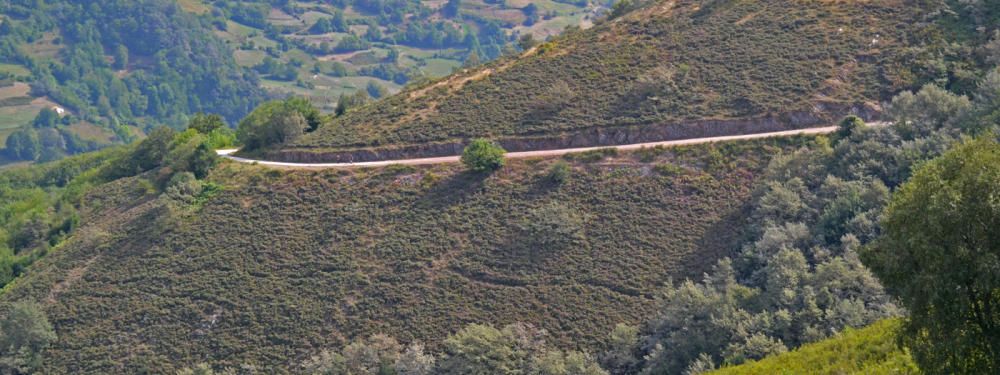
(529, 154)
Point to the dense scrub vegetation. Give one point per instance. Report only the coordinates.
(670, 62)
(870, 351)
(659, 261)
(277, 266)
(798, 277)
(41, 205)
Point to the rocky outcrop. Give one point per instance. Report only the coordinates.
(822, 114)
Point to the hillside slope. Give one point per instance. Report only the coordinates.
(280, 264)
(774, 62)
(325, 49)
(870, 350)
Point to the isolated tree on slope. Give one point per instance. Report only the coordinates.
(483, 156)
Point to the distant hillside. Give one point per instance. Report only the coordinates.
(325, 49)
(793, 62)
(871, 350)
(120, 66)
(277, 265)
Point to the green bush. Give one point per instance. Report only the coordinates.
(277, 122)
(25, 332)
(483, 156)
(558, 173)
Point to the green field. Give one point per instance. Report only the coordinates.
(16, 70)
(250, 44)
(17, 115)
(867, 351)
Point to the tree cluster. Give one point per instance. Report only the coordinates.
(276, 122)
(476, 349)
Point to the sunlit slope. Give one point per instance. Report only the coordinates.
(674, 62)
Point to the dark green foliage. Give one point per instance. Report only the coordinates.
(25, 332)
(23, 145)
(277, 122)
(850, 125)
(483, 156)
(798, 277)
(146, 155)
(46, 118)
(206, 123)
(177, 67)
(559, 173)
(346, 102)
(337, 23)
(309, 112)
(376, 90)
(938, 254)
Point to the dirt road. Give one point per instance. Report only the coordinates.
(526, 154)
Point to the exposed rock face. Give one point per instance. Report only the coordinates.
(825, 114)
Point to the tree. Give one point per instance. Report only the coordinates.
(557, 362)
(451, 8)
(24, 333)
(121, 57)
(527, 41)
(322, 26)
(481, 349)
(414, 361)
(152, 150)
(483, 156)
(24, 145)
(206, 123)
(619, 356)
(346, 102)
(850, 125)
(46, 118)
(472, 60)
(929, 109)
(939, 254)
(276, 122)
(376, 90)
(558, 173)
(308, 111)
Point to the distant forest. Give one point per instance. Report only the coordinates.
(144, 61)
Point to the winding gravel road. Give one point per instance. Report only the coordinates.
(228, 153)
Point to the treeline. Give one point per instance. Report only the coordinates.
(40, 205)
(143, 62)
(47, 138)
